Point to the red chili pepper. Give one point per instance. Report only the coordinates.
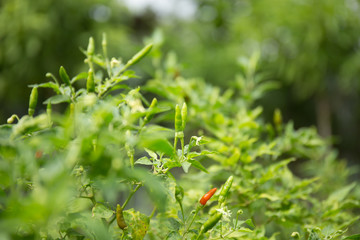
(207, 196)
(38, 154)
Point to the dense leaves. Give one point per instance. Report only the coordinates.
(66, 175)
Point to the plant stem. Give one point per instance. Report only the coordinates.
(123, 235)
(182, 145)
(112, 220)
(182, 212)
(130, 195)
(221, 235)
(237, 218)
(152, 213)
(104, 48)
(175, 144)
(193, 219)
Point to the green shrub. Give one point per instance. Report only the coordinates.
(116, 165)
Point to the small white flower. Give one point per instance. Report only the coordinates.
(115, 62)
(198, 139)
(225, 213)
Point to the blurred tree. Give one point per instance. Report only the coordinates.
(310, 46)
(38, 37)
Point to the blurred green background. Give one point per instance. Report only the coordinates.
(311, 47)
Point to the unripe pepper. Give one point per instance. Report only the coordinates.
(277, 117)
(64, 76)
(91, 47)
(210, 223)
(183, 116)
(225, 189)
(149, 115)
(179, 194)
(90, 82)
(33, 101)
(207, 196)
(120, 218)
(178, 119)
(143, 52)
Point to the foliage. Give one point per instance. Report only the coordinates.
(309, 47)
(63, 175)
(39, 36)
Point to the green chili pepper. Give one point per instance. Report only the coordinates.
(225, 189)
(33, 101)
(210, 223)
(91, 47)
(179, 194)
(137, 57)
(183, 115)
(149, 115)
(64, 76)
(120, 218)
(90, 82)
(178, 120)
(277, 119)
(104, 43)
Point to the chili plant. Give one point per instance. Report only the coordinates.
(126, 162)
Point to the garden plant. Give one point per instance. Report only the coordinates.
(173, 158)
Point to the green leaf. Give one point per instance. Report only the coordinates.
(144, 161)
(198, 165)
(246, 230)
(57, 99)
(186, 165)
(153, 185)
(272, 171)
(169, 163)
(90, 227)
(101, 211)
(354, 237)
(151, 153)
(174, 235)
(313, 236)
(271, 197)
(119, 86)
(174, 224)
(51, 85)
(130, 74)
(138, 223)
(82, 75)
(250, 223)
(197, 154)
(339, 195)
(158, 145)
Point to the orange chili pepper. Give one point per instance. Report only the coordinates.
(207, 196)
